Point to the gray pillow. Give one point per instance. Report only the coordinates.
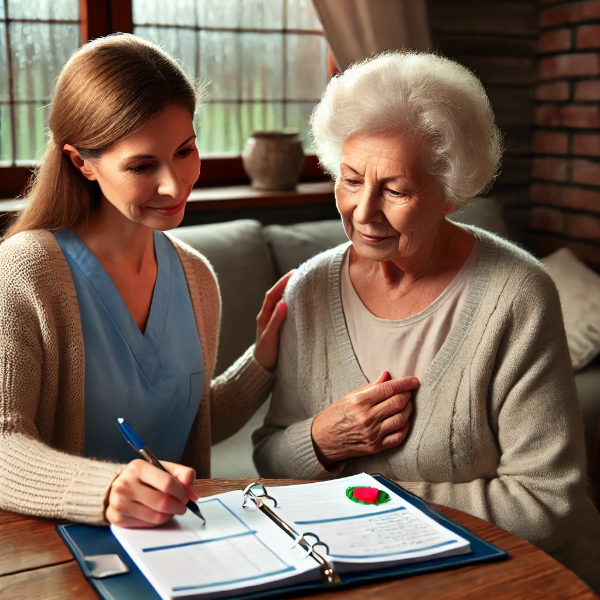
(242, 261)
(294, 244)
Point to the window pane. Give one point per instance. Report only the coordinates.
(261, 117)
(43, 9)
(39, 50)
(179, 12)
(297, 115)
(146, 11)
(262, 14)
(307, 75)
(262, 65)
(31, 121)
(218, 129)
(5, 135)
(301, 14)
(4, 87)
(253, 75)
(220, 64)
(180, 43)
(224, 13)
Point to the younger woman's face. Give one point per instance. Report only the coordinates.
(148, 176)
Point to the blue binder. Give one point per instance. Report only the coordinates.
(86, 540)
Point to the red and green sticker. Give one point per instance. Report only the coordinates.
(367, 495)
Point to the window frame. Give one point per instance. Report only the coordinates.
(102, 17)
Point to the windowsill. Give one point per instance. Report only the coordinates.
(234, 197)
(244, 196)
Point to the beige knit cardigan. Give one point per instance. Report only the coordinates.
(42, 468)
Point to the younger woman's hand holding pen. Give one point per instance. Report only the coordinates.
(143, 495)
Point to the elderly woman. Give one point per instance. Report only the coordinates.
(424, 350)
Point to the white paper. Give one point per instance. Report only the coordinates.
(235, 549)
(394, 531)
(244, 549)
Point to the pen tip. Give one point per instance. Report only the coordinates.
(120, 421)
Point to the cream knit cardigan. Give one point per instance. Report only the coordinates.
(496, 430)
(42, 468)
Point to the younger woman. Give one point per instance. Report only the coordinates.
(103, 316)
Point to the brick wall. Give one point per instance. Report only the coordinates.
(565, 190)
(498, 40)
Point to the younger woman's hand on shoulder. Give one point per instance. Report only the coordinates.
(268, 323)
(144, 496)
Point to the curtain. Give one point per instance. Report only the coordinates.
(355, 29)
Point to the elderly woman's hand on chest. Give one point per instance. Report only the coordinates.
(365, 421)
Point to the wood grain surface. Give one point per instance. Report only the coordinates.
(34, 563)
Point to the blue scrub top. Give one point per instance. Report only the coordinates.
(153, 380)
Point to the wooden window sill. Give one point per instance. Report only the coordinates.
(234, 197)
(244, 196)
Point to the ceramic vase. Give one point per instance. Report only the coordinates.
(273, 160)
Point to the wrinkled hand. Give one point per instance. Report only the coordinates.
(144, 496)
(368, 420)
(268, 323)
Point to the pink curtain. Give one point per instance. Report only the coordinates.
(355, 29)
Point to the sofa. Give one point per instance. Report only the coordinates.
(248, 259)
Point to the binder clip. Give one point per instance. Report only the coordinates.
(303, 540)
(254, 501)
(100, 566)
(328, 574)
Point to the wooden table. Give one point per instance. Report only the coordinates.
(34, 563)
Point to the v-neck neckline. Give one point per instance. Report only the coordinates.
(144, 346)
(485, 261)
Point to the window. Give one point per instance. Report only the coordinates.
(36, 40)
(266, 61)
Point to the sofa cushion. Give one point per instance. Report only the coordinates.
(294, 244)
(245, 270)
(588, 390)
(579, 291)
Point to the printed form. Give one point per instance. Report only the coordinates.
(356, 533)
(239, 549)
(184, 557)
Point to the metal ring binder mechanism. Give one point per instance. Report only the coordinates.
(252, 501)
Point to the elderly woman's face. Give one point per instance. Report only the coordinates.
(390, 205)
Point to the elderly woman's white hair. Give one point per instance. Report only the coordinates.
(424, 95)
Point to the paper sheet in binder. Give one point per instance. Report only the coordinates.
(246, 550)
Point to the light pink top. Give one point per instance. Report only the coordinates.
(407, 346)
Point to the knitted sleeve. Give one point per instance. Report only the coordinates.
(237, 394)
(283, 446)
(532, 402)
(36, 478)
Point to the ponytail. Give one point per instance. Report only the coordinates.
(54, 180)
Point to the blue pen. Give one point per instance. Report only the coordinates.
(134, 440)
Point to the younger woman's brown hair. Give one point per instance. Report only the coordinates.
(109, 89)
